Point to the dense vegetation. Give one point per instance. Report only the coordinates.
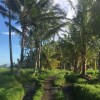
(70, 62)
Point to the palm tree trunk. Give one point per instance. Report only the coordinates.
(84, 64)
(95, 64)
(75, 65)
(39, 57)
(99, 65)
(36, 56)
(30, 57)
(22, 48)
(10, 46)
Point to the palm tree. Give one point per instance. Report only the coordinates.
(20, 10)
(83, 31)
(5, 12)
(47, 22)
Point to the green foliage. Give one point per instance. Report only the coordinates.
(86, 92)
(75, 78)
(60, 79)
(92, 72)
(25, 76)
(12, 93)
(59, 95)
(10, 89)
(38, 95)
(81, 81)
(71, 77)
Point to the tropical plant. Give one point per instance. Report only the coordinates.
(5, 12)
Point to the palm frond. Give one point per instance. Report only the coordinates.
(52, 18)
(3, 11)
(53, 31)
(13, 5)
(42, 3)
(59, 10)
(14, 29)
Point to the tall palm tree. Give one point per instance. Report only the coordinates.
(5, 12)
(20, 10)
(83, 34)
(47, 21)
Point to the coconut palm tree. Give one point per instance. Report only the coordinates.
(83, 33)
(5, 12)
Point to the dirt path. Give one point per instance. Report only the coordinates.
(29, 91)
(49, 90)
(49, 93)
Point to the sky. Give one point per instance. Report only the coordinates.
(4, 38)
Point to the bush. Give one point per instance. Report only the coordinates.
(60, 79)
(38, 95)
(71, 77)
(92, 72)
(81, 81)
(12, 93)
(86, 92)
(59, 95)
(10, 89)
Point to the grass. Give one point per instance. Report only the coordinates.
(38, 95)
(60, 79)
(86, 92)
(10, 89)
(92, 71)
(60, 95)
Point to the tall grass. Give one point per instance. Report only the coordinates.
(10, 89)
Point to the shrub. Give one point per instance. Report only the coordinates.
(60, 79)
(81, 81)
(12, 93)
(71, 77)
(86, 92)
(59, 95)
(92, 72)
(38, 95)
(10, 89)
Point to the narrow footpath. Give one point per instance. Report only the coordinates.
(29, 91)
(49, 92)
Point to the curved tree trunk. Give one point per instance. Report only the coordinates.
(10, 46)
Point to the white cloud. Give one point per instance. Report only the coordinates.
(7, 33)
(62, 3)
(67, 7)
